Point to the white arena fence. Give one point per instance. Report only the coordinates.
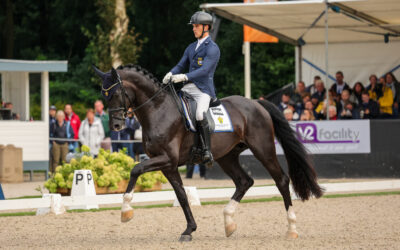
(168, 196)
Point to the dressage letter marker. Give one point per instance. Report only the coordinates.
(83, 185)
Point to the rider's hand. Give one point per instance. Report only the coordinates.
(167, 78)
(179, 78)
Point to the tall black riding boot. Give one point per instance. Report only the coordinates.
(204, 130)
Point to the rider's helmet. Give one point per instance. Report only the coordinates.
(201, 17)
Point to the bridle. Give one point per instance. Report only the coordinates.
(125, 94)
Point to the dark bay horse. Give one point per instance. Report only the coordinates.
(167, 143)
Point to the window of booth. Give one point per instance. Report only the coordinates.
(35, 97)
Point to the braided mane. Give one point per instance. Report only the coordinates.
(142, 71)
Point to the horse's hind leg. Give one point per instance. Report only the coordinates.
(230, 164)
(264, 151)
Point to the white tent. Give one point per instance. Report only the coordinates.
(357, 33)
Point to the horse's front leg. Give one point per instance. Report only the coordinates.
(174, 178)
(153, 164)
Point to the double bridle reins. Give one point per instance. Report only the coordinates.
(124, 93)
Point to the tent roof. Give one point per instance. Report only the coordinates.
(33, 66)
(349, 20)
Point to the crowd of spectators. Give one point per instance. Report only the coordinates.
(378, 100)
(93, 132)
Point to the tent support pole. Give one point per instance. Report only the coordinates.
(247, 72)
(326, 60)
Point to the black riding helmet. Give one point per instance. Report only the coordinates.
(201, 17)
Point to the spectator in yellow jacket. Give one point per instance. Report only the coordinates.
(386, 102)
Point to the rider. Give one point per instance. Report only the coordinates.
(201, 57)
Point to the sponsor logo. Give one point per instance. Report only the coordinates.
(309, 133)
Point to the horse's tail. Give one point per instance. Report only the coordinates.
(301, 170)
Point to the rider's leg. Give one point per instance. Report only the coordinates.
(203, 102)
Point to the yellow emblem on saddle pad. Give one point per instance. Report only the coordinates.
(106, 93)
(220, 119)
(200, 61)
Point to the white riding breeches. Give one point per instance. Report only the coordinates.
(202, 99)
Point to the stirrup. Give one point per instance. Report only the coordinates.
(207, 158)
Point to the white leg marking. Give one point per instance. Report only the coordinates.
(229, 210)
(127, 198)
(291, 217)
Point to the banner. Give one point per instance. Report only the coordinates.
(331, 137)
(254, 35)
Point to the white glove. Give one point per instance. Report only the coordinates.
(179, 78)
(167, 78)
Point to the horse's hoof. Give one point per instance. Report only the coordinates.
(230, 229)
(185, 238)
(127, 215)
(292, 235)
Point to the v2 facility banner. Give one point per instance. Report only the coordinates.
(332, 137)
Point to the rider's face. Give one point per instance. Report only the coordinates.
(198, 29)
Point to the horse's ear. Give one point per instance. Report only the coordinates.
(114, 75)
(98, 72)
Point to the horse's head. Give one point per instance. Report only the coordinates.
(113, 91)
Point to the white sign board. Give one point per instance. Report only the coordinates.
(331, 137)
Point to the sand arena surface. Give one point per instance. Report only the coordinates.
(342, 223)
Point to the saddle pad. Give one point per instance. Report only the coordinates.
(218, 115)
(222, 121)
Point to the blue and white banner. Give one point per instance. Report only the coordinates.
(332, 137)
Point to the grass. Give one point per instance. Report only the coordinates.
(206, 203)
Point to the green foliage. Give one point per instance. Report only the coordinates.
(108, 170)
(79, 31)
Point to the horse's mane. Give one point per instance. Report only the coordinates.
(142, 71)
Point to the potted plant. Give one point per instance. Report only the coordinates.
(111, 172)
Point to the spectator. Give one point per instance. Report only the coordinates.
(52, 115)
(10, 106)
(309, 106)
(348, 111)
(52, 120)
(307, 115)
(382, 80)
(345, 97)
(318, 108)
(131, 125)
(332, 113)
(394, 85)
(374, 88)
(356, 94)
(297, 96)
(305, 97)
(91, 133)
(386, 102)
(60, 129)
(75, 123)
(190, 169)
(320, 91)
(296, 116)
(285, 101)
(118, 136)
(105, 120)
(138, 146)
(288, 113)
(261, 98)
(338, 87)
(369, 109)
(312, 88)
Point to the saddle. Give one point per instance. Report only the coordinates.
(189, 106)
